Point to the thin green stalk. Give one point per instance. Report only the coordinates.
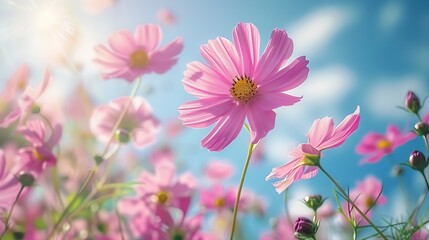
(426, 181)
(426, 141)
(351, 202)
(240, 186)
(6, 223)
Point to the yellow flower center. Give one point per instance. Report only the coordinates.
(369, 202)
(37, 155)
(162, 197)
(243, 89)
(383, 144)
(219, 202)
(139, 59)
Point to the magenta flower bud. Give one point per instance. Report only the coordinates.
(412, 102)
(418, 161)
(421, 128)
(26, 179)
(304, 228)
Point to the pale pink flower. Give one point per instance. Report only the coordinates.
(422, 234)
(139, 123)
(9, 186)
(237, 84)
(18, 82)
(132, 56)
(322, 135)
(38, 156)
(166, 16)
(161, 154)
(217, 198)
(28, 102)
(283, 229)
(218, 170)
(365, 196)
(375, 145)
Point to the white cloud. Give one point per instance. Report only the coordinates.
(390, 15)
(278, 148)
(315, 30)
(388, 93)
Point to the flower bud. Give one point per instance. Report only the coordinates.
(122, 136)
(304, 228)
(26, 179)
(421, 128)
(412, 102)
(418, 161)
(35, 109)
(313, 201)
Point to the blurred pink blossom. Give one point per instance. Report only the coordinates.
(18, 82)
(132, 56)
(159, 155)
(322, 135)
(375, 145)
(166, 16)
(218, 170)
(139, 122)
(283, 229)
(9, 186)
(236, 83)
(366, 195)
(217, 198)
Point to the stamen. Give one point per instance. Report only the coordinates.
(243, 89)
(139, 59)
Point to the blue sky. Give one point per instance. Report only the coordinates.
(366, 53)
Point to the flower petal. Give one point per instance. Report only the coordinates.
(287, 78)
(222, 57)
(277, 52)
(261, 122)
(320, 131)
(122, 42)
(247, 40)
(148, 36)
(225, 131)
(165, 58)
(274, 100)
(204, 112)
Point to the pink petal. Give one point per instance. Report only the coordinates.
(142, 137)
(10, 118)
(122, 42)
(287, 78)
(261, 122)
(165, 173)
(225, 131)
(247, 40)
(202, 82)
(106, 55)
(165, 58)
(204, 112)
(320, 131)
(270, 101)
(294, 175)
(342, 131)
(44, 84)
(222, 57)
(148, 36)
(373, 158)
(277, 52)
(368, 144)
(310, 172)
(218, 171)
(2, 163)
(18, 80)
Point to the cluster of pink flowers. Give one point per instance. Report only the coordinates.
(235, 88)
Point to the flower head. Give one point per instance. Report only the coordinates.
(376, 145)
(138, 124)
(132, 56)
(322, 135)
(365, 196)
(237, 83)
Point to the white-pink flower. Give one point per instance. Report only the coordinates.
(139, 124)
(322, 135)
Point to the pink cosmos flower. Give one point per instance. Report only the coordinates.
(38, 156)
(18, 82)
(322, 135)
(166, 16)
(132, 56)
(28, 102)
(139, 124)
(216, 198)
(218, 170)
(237, 83)
(161, 154)
(366, 195)
(9, 186)
(376, 145)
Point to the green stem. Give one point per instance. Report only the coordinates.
(426, 141)
(351, 202)
(240, 186)
(10, 212)
(426, 181)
